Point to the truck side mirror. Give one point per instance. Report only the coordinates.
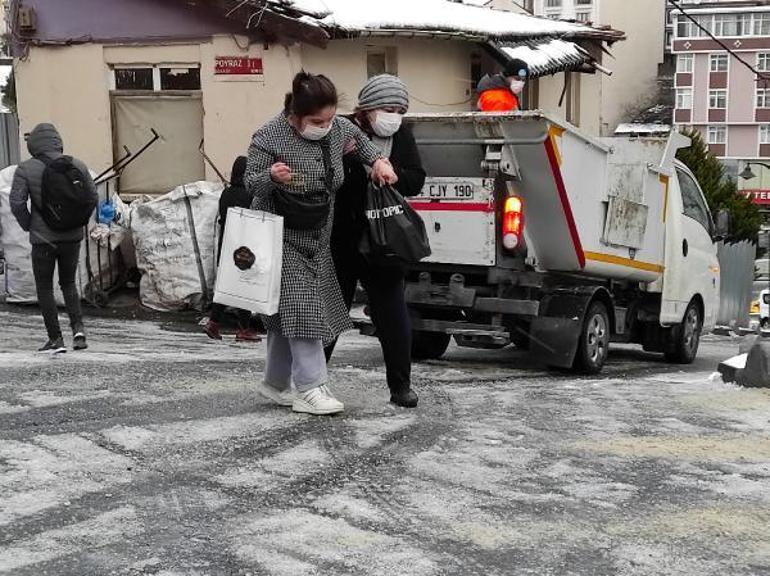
(722, 227)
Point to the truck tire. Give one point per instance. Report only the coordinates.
(684, 339)
(594, 344)
(429, 345)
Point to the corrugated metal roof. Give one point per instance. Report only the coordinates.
(548, 56)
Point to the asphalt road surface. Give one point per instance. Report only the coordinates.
(150, 453)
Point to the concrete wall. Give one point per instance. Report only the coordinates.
(443, 85)
(636, 60)
(68, 86)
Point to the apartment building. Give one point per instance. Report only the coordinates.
(633, 86)
(719, 94)
(580, 10)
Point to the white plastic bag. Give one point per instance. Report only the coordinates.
(249, 275)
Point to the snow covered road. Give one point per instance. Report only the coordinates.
(151, 454)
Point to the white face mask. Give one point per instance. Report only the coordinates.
(385, 124)
(517, 86)
(314, 133)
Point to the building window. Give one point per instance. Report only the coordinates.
(731, 25)
(684, 98)
(717, 135)
(133, 79)
(761, 24)
(684, 63)
(582, 16)
(718, 63)
(158, 78)
(764, 134)
(763, 98)
(718, 99)
(381, 60)
(763, 62)
(583, 2)
(686, 28)
(553, 3)
(180, 78)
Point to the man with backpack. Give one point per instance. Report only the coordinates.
(62, 198)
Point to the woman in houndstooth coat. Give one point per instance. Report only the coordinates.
(300, 152)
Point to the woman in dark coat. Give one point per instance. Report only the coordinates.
(296, 160)
(234, 195)
(381, 104)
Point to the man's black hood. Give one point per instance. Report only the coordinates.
(44, 139)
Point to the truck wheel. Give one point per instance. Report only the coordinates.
(594, 342)
(765, 324)
(684, 338)
(429, 345)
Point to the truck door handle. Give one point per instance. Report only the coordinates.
(437, 227)
(685, 247)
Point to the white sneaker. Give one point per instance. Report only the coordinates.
(280, 397)
(317, 401)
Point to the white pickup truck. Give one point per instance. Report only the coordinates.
(558, 242)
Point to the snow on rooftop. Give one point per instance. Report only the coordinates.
(429, 15)
(644, 129)
(548, 57)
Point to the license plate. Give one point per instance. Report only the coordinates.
(448, 191)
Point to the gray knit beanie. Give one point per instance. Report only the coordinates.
(383, 91)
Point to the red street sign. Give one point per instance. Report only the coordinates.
(761, 197)
(235, 65)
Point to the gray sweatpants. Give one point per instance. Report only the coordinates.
(299, 360)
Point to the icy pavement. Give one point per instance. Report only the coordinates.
(151, 454)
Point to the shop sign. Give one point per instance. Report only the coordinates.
(238, 66)
(759, 197)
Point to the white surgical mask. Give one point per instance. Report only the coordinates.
(385, 124)
(314, 133)
(517, 86)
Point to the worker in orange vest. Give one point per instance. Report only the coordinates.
(501, 92)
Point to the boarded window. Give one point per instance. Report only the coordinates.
(172, 160)
(133, 79)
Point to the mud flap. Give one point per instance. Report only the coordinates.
(555, 335)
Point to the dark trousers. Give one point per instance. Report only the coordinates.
(45, 258)
(385, 289)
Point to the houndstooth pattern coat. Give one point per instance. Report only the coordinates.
(311, 303)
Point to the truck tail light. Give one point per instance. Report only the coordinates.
(513, 222)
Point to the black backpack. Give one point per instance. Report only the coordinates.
(66, 203)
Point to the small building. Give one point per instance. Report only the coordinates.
(207, 73)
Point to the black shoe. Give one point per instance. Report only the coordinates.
(54, 346)
(406, 399)
(79, 341)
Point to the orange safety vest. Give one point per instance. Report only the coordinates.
(498, 100)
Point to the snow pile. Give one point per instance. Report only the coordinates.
(175, 237)
(643, 129)
(428, 15)
(548, 57)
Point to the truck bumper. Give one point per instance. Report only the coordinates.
(456, 295)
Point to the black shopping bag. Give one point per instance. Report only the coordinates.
(394, 230)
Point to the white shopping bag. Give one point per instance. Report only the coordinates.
(249, 275)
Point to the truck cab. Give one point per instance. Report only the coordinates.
(558, 242)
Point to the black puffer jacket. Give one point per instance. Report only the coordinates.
(349, 219)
